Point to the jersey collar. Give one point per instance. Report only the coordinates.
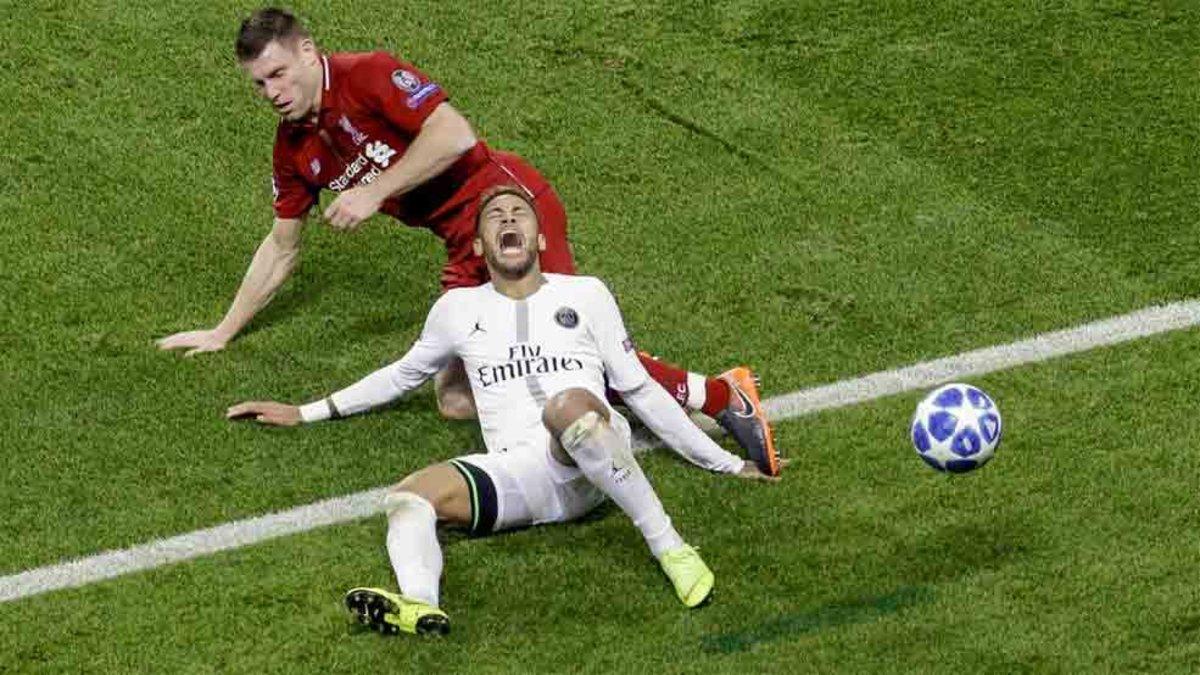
(326, 89)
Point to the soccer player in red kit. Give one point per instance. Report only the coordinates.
(384, 137)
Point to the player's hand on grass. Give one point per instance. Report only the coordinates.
(751, 471)
(266, 412)
(351, 208)
(195, 341)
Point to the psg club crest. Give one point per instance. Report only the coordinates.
(566, 317)
(406, 81)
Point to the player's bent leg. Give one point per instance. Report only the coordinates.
(582, 425)
(443, 487)
(568, 406)
(453, 390)
(414, 508)
(692, 391)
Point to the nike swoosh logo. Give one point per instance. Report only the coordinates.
(747, 404)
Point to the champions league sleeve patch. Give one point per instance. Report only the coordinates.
(566, 317)
(418, 97)
(406, 81)
(627, 344)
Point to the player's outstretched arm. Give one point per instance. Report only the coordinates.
(272, 264)
(377, 389)
(392, 382)
(655, 407)
(666, 419)
(381, 387)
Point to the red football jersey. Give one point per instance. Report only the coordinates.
(372, 107)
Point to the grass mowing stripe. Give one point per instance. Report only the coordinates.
(82, 571)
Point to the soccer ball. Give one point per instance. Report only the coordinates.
(956, 428)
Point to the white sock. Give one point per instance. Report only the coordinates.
(413, 547)
(607, 462)
(697, 391)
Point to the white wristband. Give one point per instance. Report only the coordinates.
(317, 411)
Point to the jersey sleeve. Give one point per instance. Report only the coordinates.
(625, 371)
(293, 197)
(662, 415)
(427, 356)
(404, 95)
(434, 347)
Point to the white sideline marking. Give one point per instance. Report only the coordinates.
(1106, 332)
(160, 552)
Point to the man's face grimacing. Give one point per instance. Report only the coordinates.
(288, 76)
(508, 237)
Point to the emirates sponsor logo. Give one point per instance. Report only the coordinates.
(523, 361)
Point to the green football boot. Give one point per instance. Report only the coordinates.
(392, 613)
(692, 579)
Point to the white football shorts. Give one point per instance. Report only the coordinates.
(527, 486)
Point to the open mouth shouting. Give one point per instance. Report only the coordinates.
(510, 242)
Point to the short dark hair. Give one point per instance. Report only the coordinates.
(498, 191)
(262, 27)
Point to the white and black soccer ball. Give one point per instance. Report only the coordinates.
(956, 428)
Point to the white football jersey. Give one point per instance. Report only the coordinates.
(519, 353)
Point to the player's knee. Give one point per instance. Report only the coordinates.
(400, 501)
(578, 420)
(439, 486)
(412, 485)
(567, 406)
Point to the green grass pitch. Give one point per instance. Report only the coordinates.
(817, 189)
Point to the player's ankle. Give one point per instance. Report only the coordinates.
(717, 395)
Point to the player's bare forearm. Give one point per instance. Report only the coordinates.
(444, 137)
(270, 267)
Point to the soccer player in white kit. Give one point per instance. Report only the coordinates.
(537, 349)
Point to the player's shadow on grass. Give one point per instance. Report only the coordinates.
(918, 568)
(823, 617)
(956, 551)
